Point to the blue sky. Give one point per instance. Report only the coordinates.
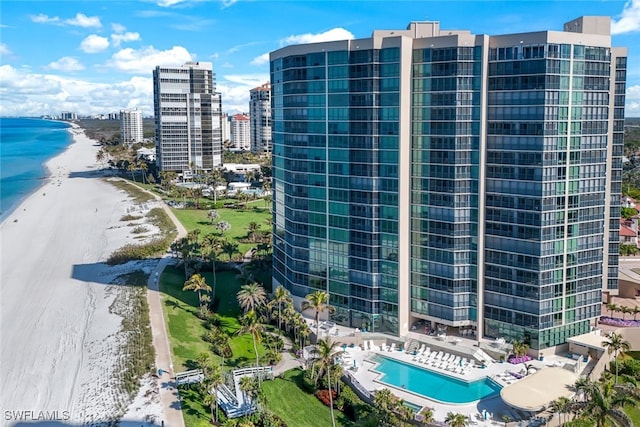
(96, 57)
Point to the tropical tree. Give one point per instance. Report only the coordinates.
(280, 296)
(211, 246)
(318, 301)
(212, 381)
(249, 323)
(636, 311)
(250, 387)
(615, 343)
(229, 247)
(213, 215)
(519, 348)
(252, 229)
(612, 308)
(324, 354)
(606, 401)
(390, 411)
(197, 283)
(561, 405)
(457, 420)
(251, 297)
(223, 227)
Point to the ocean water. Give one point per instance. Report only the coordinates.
(25, 145)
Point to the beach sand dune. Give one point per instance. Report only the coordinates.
(59, 338)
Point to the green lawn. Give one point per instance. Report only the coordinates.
(239, 219)
(195, 414)
(186, 330)
(296, 407)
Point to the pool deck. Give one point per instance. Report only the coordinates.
(494, 407)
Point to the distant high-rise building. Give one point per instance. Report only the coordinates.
(226, 129)
(187, 115)
(438, 177)
(68, 115)
(240, 132)
(260, 117)
(131, 126)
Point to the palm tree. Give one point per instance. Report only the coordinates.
(252, 229)
(229, 247)
(197, 283)
(614, 344)
(318, 301)
(249, 323)
(251, 297)
(457, 420)
(636, 311)
(211, 244)
(561, 405)
(326, 350)
(519, 348)
(212, 380)
(249, 387)
(612, 307)
(280, 296)
(606, 401)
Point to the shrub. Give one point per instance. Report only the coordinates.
(630, 367)
(323, 395)
(129, 217)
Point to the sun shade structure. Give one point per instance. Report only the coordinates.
(535, 392)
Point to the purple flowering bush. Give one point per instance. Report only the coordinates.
(522, 359)
(614, 321)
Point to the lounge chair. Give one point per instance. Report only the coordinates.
(393, 346)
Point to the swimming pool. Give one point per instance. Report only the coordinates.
(433, 385)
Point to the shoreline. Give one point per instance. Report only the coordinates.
(46, 178)
(60, 337)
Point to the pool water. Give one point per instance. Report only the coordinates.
(433, 385)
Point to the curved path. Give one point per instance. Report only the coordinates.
(169, 395)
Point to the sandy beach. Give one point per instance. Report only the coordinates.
(59, 336)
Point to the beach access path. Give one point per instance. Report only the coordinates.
(169, 395)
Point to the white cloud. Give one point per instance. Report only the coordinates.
(118, 28)
(228, 3)
(4, 49)
(169, 3)
(260, 60)
(144, 60)
(28, 94)
(124, 37)
(632, 109)
(94, 43)
(330, 35)
(41, 18)
(82, 20)
(66, 63)
(235, 90)
(629, 18)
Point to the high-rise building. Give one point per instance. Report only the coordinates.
(260, 116)
(226, 129)
(462, 180)
(131, 130)
(240, 132)
(187, 115)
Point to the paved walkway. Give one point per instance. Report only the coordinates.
(169, 395)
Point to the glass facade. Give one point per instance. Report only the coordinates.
(445, 143)
(545, 190)
(511, 167)
(335, 161)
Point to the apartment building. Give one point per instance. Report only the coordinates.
(260, 118)
(131, 130)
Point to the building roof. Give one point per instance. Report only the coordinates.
(627, 231)
(241, 117)
(534, 392)
(591, 340)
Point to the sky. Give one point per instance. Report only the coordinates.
(96, 57)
